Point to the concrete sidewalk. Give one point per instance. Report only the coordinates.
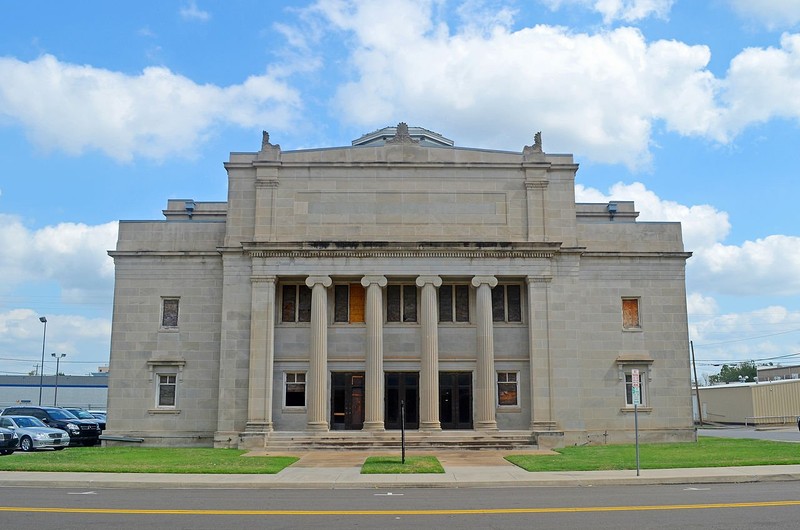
(341, 470)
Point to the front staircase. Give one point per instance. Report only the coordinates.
(448, 439)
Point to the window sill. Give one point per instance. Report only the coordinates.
(171, 329)
(630, 410)
(294, 410)
(509, 408)
(164, 411)
(632, 330)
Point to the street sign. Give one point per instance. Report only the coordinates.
(635, 377)
(635, 396)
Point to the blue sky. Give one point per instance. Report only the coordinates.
(107, 109)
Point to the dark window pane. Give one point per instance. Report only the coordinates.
(304, 304)
(393, 303)
(341, 303)
(166, 391)
(498, 304)
(288, 299)
(462, 303)
(169, 318)
(409, 303)
(446, 303)
(295, 395)
(514, 303)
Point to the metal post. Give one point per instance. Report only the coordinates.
(696, 387)
(636, 428)
(403, 431)
(58, 358)
(43, 320)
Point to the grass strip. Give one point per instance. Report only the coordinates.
(706, 452)
(145, 460)
(375, 465)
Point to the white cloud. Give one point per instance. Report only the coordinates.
(625, 10)
(72, 254)
(84, 340)
(155, 114)
(595, 94)
(702, 225)
(773, 14)
(190, 11)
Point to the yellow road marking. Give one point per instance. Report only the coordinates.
(487, 511)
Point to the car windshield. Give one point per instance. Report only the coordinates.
(82, 414)
(59, 414)
(28, 421)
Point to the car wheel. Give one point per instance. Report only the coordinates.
(26, 444)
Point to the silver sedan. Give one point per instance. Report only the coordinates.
(33, 434)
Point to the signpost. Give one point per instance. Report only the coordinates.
(635, 399)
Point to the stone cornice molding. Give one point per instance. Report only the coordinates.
(267, 183)
(538, 279)
(399, 250)
(263, 279)
(536, 184)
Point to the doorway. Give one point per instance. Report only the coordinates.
(347, 400)
(402, 386)
(455, 400)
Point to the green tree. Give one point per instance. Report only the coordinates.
(733, 372)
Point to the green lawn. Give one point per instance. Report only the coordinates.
(144, 460)
(707, 452)
(392, 465)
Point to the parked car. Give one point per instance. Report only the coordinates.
(34, 434)
(81, 432)
(86, 415)
(8, 441)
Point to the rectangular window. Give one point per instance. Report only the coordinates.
(295, 303)
(167, 384)
(507, 303)
(630, 313)
(401, 303)
(629, 388)
(169, 312)
(454, 303)
(507, 389)
(348, 303)
(295, 394)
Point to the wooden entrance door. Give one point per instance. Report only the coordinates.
(402, 386)
(455, 400)
(347, 400)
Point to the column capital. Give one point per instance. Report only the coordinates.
(423, 280)
(368, 280)
(326, 281)
(477, 281)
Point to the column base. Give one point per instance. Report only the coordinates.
(373, 426)
(321, 426)
(430, 426)
(486, 426)
(258, 426)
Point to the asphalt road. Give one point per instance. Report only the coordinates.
(729, 506)
(782, 434)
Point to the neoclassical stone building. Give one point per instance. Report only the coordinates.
(336, 285)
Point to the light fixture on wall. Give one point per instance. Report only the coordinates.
(612, 210)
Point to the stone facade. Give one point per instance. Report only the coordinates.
(334, 283)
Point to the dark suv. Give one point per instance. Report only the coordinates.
(8, 441)
(81, 432)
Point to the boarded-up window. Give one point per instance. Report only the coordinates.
(630, 313)
(356, 302)
(348, 303)
(169, 313)
(401, 303)
(507, 389)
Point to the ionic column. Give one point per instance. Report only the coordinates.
(539, 353)
(373, 409)
(429, 365)
(318, 362)
(485, 417)
(262, 350)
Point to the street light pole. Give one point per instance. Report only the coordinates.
(43, 320)
(58, 359)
